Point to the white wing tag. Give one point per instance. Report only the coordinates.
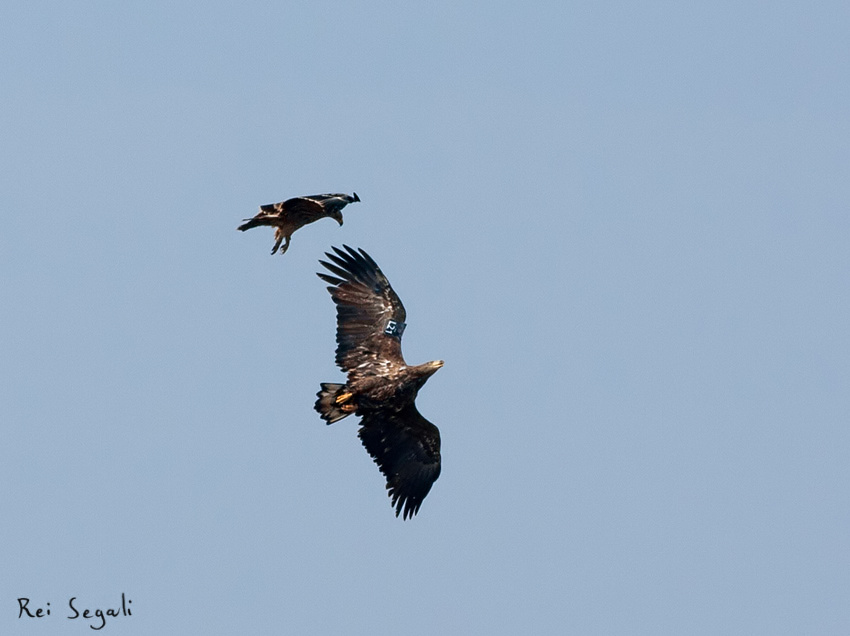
(394, 328)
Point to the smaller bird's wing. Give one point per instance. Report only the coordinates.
(333, 203)
(406, 447)
(324, 199)
(370, 316)
(298, 210)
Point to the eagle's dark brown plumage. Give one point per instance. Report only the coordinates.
(289, 215)
(381, 388)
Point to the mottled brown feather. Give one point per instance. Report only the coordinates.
(365, 303)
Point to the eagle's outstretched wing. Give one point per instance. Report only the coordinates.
(370, 316)
(406, 447)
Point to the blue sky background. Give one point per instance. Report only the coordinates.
(624, 228)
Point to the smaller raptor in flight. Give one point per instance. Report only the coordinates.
(289, 215)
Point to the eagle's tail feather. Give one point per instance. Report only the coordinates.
(327, 404)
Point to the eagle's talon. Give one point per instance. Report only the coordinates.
(343, 397)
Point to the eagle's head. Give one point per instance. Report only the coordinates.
(421, 372)
(337, 216)
(431, 367)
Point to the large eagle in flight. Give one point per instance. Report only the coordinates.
(287, 216)
(381, 387)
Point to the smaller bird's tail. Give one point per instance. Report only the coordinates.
(249, 223)
(327, 405)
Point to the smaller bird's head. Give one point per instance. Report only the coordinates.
(355, 198)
